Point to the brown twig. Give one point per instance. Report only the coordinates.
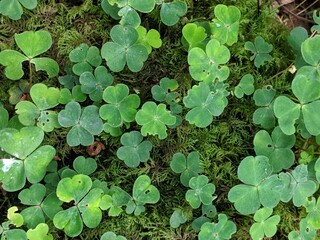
(297, 16)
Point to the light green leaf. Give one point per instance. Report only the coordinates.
(39, 233)
(287, 113)
(154, 118)
(124, 50)
(134, 150)
(32, 43)
(121, 107)
(277, 148)
(225, 27)
(144, 192)
(245, 86)
(12, 61)
(171, 12)
(205, 65)
(201, 191)
(73, 189)
(194, 35)
(265, 225)
(188, 167)
(260, 49)
(310, 50)
(223, 229)
(204, 103)
(70, 221)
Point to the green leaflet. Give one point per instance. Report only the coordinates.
(124, 50)
(31, 44)
(265, 224)
(223, 229)
(154, 119)
(187, 167)
(13, 8)
(204, 105)
(134, 150)
(260, 49)
(205, 65)
(276, 147)
(260, 186)
(225, 26)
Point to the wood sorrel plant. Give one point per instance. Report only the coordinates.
(93, 105)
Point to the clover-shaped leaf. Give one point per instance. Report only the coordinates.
(39, 233)
(313, 209)
(144, 192)
(245, 86)
(84, 165)
(287, 113)
(74, 189)
(18, 93)
(188, 167)
(154, 118)
(30, 161)
(70, 221)
(32, 44)
(124, 50)
(277, 148)
(150, 39)
(134, 150)
(89, 208)
(316, 19)
(265, 225)
(13, 8)
(114, 200)
(44, 98)
(112, 236)
(201, 191)
(301, 187)
(225, 27)
(177, 218)
(87, 205)
(15, 218)
(111, 10)
(264, 99)
(296, 37)
(95, 84)
(161, 92)
(194, 35)
(198, 222)
(85, 58)
(84, 123)
(76, 95)
(144, 6)
(260, 186)
(171, 12)
(70, 79)
(260, 49)
(205, 65)
(121, 107)
(204, 103)
(221, 230)
(310, 50)
(305, 88)
(305, 233)
(33, 197)
(129, 16)
(209, 210)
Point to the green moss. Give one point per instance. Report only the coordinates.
(221, 146)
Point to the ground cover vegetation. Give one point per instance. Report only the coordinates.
(151, 119)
